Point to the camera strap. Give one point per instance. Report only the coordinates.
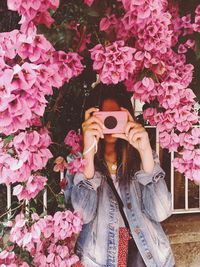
(120, 204)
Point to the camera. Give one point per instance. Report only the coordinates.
(114, 121)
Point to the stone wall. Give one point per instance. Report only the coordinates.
(184, 235)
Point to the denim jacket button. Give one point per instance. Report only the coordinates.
(129, 206)
(158, 176)
(149, 255)
(137, 229)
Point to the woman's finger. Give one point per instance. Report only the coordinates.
(137, 136)
(92, 120)
(89, 112)
(133, 133)
(95, 126)
(132, 125)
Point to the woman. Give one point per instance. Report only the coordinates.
(128, 161)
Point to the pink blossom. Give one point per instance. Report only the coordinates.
(107, 22)
(189, 139)
(88, 2)
(189, 164)
(149, 114)
(73, 140)
(76, 165)
(51, 234)
(28, 151)
(170, 141)
(32, 148)
(144, 90)
(165, 121)
(182, 49)
(184, 118)
(186, 24)
(6, 257)
(35, 12)
(169, 94)
(69, 64)
(60, 164)
(31, 188)
(114, 62)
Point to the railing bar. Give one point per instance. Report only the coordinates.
(199, 196)
(186, 193)
(61, 175)
(45, 200)
(9, 201)
(157, 142)
(183, 211)
(172, 179)
(27, 207)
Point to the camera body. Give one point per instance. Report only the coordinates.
(114, 121)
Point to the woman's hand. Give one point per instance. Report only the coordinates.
(135, 134)
(92, 131)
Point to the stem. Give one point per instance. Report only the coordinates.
(98, 39)
(83, 33)
(52, 191)
(55, 107)
(12, 209)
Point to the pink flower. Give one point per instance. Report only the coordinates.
(149, 114)
(28, 151)
(182, 49)
(144, 90)
(186, 24)
(69, 64)
(165, 121)
(31, 188)
(76, 165)
(170, 141)
(32, 148)
(73, 140)
(190, 139)
(60, 164)
(6, 257)
(107, 22)
(88, 2)
(189, 164)
(114, 62)
(169, 94)
(184, 118)
(33, 12)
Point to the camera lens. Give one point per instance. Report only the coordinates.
(110, 122)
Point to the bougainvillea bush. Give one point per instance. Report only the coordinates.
(58, 54)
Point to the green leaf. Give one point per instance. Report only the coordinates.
(10, 244)
(8, 139)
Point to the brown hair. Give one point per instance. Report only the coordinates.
(126, 154)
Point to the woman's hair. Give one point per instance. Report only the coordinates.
(126, 154)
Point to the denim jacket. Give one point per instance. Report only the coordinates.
(146, 201)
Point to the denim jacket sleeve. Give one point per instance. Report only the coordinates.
(156, 198)
(84, 195)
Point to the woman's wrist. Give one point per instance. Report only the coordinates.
(89, 168)
(147, 159)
